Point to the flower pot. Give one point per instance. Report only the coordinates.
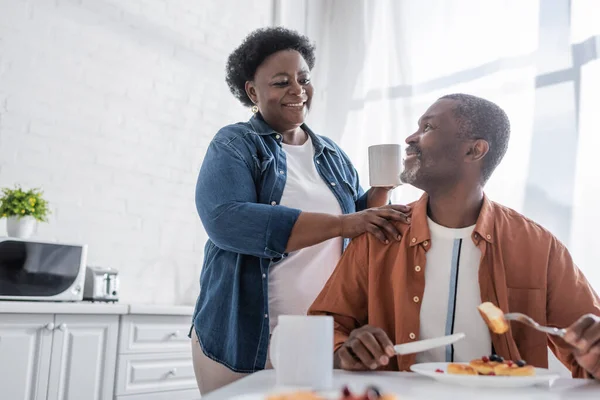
(20, 227)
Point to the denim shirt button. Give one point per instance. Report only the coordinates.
(266, 315)
(332, 183)
(277, 136)
(318, 162)
(264, 276)
(273, 203)
(281, 172)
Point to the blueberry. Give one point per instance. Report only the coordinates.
(496, 358)
(521, 363)
(373, 393)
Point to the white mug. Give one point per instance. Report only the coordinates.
(385, 165)
(301, 351)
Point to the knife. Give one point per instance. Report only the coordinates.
(427, 344)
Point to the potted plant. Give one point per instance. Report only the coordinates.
(23, 209)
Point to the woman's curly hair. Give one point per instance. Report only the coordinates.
(258, 45)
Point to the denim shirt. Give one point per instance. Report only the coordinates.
(239, 188)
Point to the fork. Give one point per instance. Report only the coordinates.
(524, 319)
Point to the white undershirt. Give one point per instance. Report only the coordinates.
(295, 281)
(452, 295)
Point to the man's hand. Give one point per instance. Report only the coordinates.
(366, 348)
(584, 336)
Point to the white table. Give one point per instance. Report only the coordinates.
(410, 386)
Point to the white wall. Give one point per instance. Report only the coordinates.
(108, 105)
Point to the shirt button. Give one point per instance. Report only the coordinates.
(273, 203)
(414, 240)
(416, 299)
(281, 172)
(266, 315)
(264, 276)
(489, 237)
(418, 268)
(476, 236)
(412, 336)
(318, 162)
(425, 243)
(332, 183)
(277, 136)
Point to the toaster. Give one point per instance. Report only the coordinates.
(101, 284)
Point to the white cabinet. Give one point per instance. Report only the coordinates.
(95, 351)
(84, 355)
(155, 359)
(25, 349)
(58, 357)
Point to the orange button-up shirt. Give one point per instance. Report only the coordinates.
(523, 268)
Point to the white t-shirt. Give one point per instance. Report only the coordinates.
(452, 295)
(295, 281)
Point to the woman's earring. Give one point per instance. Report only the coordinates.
(254, 109)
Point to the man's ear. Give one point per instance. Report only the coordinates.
(477, 150)
(251, 91)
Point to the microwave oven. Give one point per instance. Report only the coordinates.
(43, 271)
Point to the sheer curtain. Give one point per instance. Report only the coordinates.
(381, 63)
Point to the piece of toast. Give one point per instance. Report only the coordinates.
(493, 317)
(460, 369)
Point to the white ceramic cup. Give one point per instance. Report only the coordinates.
(301, 351)
(385, 165)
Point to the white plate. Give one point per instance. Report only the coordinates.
(423, 345)
(428, 369)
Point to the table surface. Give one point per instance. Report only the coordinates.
(410, 386)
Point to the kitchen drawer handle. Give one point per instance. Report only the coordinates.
(49, 326)
(62, 327)
(173, 372)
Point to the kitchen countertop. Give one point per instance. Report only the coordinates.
(160, 309)
(87, 307)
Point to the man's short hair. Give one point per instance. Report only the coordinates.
(481, 119)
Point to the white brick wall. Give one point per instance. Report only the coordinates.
(108, 105)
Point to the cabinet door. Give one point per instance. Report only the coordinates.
(84, 352)
(25, 349)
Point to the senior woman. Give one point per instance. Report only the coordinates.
(277, 202)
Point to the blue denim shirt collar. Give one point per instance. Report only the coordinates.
(262, 128)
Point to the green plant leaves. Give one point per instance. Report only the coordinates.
(20, 203)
